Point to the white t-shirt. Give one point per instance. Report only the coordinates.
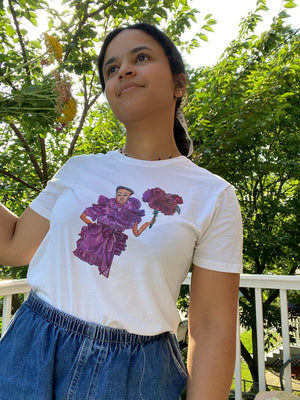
(100, 271)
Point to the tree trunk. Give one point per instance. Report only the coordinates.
(250, 362)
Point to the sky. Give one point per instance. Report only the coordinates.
(228, 14)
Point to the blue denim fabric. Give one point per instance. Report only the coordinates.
(47, 354)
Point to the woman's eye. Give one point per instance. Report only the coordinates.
(142, 57)
(111, 70)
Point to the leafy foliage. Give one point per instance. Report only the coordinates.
(29, 101)
(37, 78)
(244, 117)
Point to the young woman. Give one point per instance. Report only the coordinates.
(110, 241)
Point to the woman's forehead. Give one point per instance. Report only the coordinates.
(123, 190)
(130, 40)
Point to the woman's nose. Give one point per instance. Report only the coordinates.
(126, 70)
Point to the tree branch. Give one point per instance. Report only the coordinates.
(13, 13)
(293, 269)
(88, 103)
(250, 362)
(7, 80)
(104, 7)
(81, 23)
(26, 184)
(246, 294)
(28, 150)
(81, 122)
(273, 296)
(44, 159)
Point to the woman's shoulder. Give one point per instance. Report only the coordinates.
(202, 174)
(81, 160)
(90, 157)
(78, 164)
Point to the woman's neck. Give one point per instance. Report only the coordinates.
(151, 141)
(151, 145)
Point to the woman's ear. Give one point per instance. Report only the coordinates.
(180, 84)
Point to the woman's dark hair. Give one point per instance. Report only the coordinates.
(176, 66)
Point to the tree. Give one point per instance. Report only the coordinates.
(244, 118)
(50, 89)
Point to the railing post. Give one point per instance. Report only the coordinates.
(285, 339)
(260, 339)
(7, 301)
(237, 371)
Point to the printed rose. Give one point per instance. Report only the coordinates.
(177, 198)
(167, 205)
(153, 193)
(163, 202)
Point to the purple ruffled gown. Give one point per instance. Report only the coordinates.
(99, 242)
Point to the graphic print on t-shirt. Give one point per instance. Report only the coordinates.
(161, 201)
(103, 235)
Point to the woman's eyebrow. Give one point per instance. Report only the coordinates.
(140, 48)
(133, 51)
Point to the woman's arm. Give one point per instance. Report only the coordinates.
(137, 231)
(85, 219)
(212, 333)
(20, 236)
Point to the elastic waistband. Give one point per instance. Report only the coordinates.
(83, 328)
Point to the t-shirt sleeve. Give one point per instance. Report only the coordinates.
(44, 202)
(220, 246)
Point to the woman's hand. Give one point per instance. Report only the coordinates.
(137, 231)
(85, 219)
(152, 222)
(20, 236)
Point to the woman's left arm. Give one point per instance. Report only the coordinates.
(212, 334)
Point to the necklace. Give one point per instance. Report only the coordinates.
(123, 151)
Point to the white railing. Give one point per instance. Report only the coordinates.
(258, 282)
(295, 324)
(7, 289)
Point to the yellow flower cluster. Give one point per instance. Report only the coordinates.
(54, 48)
(69, 109)
(66, 104)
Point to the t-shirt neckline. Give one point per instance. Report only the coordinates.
(146, 163)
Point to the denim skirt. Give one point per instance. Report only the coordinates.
(47, 354)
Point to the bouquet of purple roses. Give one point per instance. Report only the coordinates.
(163, 202)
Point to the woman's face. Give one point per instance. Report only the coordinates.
(137, 76)
(122, 196)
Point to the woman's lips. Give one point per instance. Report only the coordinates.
(128, 88)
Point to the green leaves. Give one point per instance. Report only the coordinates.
(29, 131)
(289, 4)
(9, 30)
(202, 36)
(209, 22)
(243, 114)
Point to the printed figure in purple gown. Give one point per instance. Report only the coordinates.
(103, 237)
